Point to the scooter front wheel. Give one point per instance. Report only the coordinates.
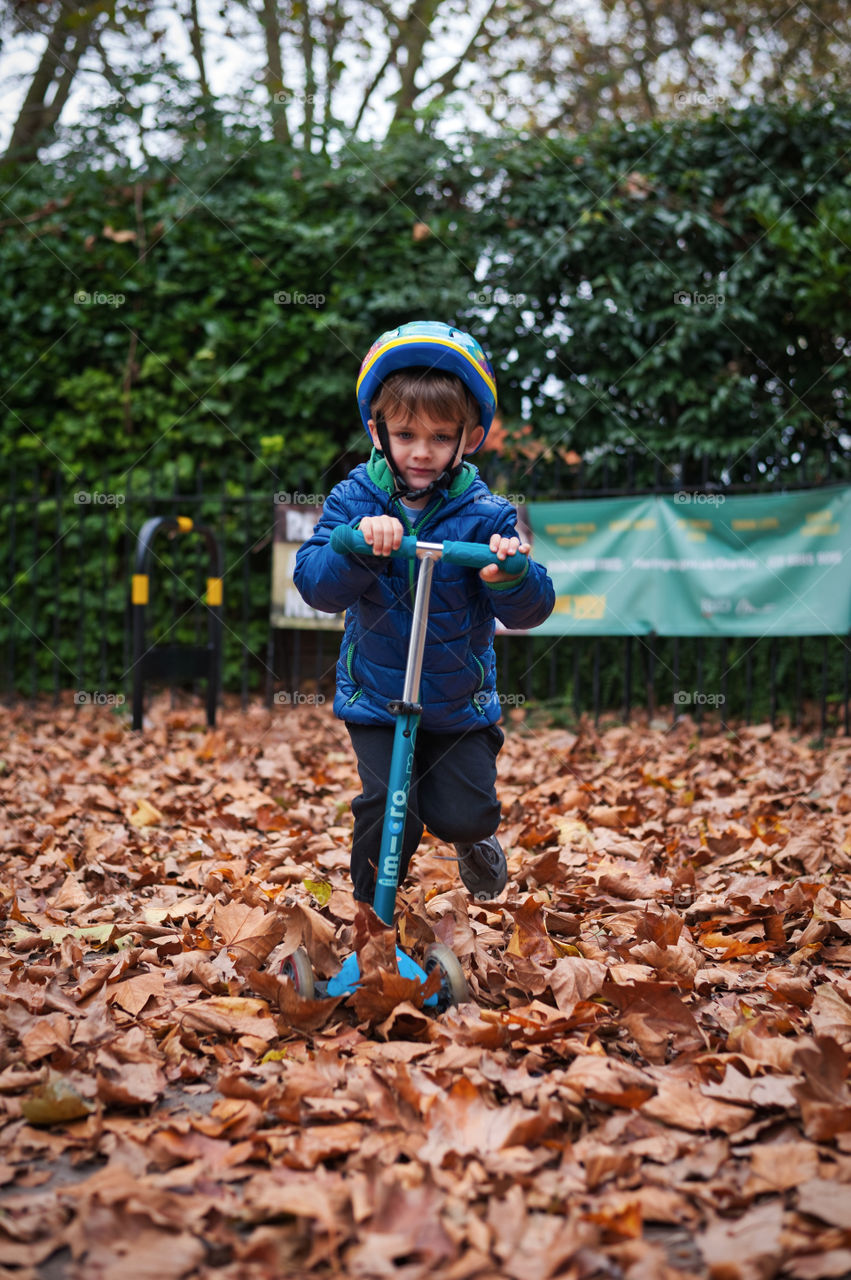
(453, 984)
(298, 969)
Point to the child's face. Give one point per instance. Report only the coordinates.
(423, 447)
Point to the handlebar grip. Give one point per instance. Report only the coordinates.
(347, 541)
(477, 555)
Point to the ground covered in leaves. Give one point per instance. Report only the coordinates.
(650, 1080)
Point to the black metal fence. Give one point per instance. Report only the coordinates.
(799, 681)
(65, 607)
(65, 613)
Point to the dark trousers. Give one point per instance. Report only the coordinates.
(453, 794)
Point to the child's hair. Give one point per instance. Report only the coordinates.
(439, 396)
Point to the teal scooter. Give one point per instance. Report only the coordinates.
(408, 712)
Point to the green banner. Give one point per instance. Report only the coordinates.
(776, 564)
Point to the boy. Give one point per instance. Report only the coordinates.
(427, 397)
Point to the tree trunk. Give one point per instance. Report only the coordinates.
(415, 30)
(197, 42)
(308, 45)
(335, 23)
(275, 72)
(36, 122)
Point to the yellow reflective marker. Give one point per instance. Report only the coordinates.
(214, 591)
(139, 592)
(184, 524)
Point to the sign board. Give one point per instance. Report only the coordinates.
(293, 526)
(775, 564)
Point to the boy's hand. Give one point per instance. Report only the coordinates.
(383, 533)
(502, 547)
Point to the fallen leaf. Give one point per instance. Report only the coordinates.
(134, 993)
(145, 815)
(681, 1102)
(530, 938)
(746, 1248)
(56, 1101)
(250, 932)
(826, 1200)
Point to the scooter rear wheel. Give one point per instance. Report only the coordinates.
(453, 985)
(298, 969)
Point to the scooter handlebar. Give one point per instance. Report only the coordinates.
(472, 555)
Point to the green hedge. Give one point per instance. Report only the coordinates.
(702, 271)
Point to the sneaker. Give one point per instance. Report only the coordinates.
(483, 868)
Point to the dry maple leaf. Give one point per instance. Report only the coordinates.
(824, 1095)
(304, 927)
(299, 1012)
(603, 1080)
(745, 1248)
(229, 1015)
(463, 1122)
(145, 815)
(374, 941)
(530, 938)
(380, 992)
(57, 1100)
(134, 993)
(250, 933)
(656, 1017)
(681, 1102)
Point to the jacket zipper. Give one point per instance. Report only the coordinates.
(350, 657)
(474, 698)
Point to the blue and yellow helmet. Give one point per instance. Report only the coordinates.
(431, 345)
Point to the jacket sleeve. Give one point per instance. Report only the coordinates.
(325, 579)
(527, 600)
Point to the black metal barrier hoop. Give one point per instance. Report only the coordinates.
(176, 661)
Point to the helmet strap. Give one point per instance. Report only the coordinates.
(403, 490)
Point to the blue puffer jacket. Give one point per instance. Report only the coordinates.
(458, 689)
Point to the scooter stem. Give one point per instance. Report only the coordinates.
(419, 624)
(408, 712)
